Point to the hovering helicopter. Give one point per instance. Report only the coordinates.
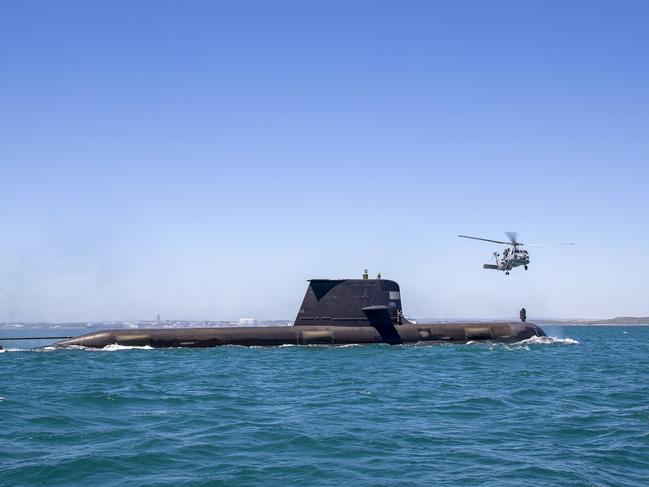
(513, 256)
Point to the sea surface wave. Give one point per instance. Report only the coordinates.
(572, 409)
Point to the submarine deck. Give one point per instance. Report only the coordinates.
(305, 335)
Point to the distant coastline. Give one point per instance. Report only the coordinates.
(91, 325)
(617, 321)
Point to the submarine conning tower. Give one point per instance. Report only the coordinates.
(349, 302)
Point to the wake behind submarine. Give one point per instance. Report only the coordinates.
(344, 311)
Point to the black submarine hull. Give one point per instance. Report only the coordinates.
(307, 335)
(334, 312)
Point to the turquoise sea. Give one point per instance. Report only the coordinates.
(567, 411)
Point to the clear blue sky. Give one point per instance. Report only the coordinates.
(203, 159)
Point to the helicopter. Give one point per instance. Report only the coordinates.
(513, 255)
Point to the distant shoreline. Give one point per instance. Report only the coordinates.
(589, 323)
(617, 321)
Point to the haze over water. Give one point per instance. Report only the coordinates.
(571, 411)
(202, 159)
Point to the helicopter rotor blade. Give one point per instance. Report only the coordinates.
(485, 239)
(512, 237)
(546, 244)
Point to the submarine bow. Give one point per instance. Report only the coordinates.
(343, 311)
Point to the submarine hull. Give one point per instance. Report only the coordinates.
(307, 335)
(343, 311)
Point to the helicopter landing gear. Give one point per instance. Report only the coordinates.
(525, 267)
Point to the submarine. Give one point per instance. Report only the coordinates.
(333, 312)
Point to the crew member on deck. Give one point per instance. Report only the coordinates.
(523, 315)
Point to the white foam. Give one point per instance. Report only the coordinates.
(75, 347)
(546, 340)
(114, 347)
(41, 349)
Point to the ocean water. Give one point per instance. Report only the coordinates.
(567, 411)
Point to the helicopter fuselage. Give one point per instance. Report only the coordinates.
(515, 257)
(511, 257)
